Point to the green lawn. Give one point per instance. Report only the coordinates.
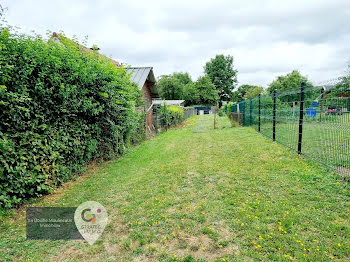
(327, 142)
(228, 194)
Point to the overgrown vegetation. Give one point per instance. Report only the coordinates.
(60, 107)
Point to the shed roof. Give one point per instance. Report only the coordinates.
(168, 102)
(139, 75)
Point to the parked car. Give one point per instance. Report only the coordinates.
(333, 110)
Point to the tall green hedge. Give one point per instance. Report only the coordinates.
(60, 107)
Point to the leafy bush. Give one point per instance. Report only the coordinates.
(60, 107)
(171, 115)
(177, 115)
(165, 119)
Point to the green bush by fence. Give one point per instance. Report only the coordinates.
(171, 115)
(60, 107)
(177, 115)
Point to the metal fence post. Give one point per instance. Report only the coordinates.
(251, 112)
(238, 114)
(301, 116)
(321, 103)
(259, 112)
(274, 116)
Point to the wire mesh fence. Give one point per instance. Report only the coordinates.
(189, 111)
(313, 121)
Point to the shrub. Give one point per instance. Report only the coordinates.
(60, 107)
(177, 115)
(171, 115)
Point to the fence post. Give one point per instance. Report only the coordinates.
(250, 112)
(274, 116)
(238, 114)
(259, 112)
(321, 103)
(301, 116)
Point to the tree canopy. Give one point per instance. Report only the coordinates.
(201, 92)
(246, 92)
(344, 83)
(289, 81)
(172, 86)
(184, 78)
(222, 74)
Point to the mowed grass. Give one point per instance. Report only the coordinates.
(228, 194)
(327, 142)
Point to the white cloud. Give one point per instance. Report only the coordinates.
(266, 38)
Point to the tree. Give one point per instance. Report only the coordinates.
(201, 92)
(184, 78)
(207, 91)
(344, 81)
(254, 92)
(289, 81)
(222, 74)
(172, 86)
(246, 92)
(191, 94)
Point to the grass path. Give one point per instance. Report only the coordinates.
(216, 195)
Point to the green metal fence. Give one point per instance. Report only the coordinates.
(313, 121)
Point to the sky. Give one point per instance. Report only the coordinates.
(267, 38)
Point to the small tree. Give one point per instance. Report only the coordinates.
(191, 94)
(170, 87)
(207, 91)
(222, 74)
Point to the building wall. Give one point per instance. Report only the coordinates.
(147, 97)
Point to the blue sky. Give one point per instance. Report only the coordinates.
(266, 38)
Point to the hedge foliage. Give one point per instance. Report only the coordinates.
(61, 106)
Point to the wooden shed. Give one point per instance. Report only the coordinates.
(144, 78)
